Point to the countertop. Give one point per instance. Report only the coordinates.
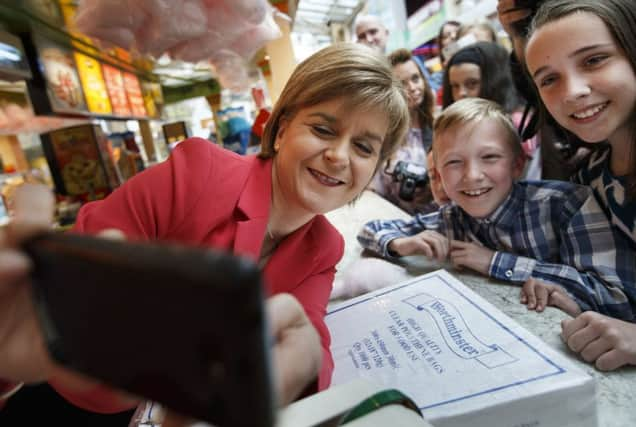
(616, 391)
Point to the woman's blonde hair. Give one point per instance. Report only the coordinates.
(353, 72)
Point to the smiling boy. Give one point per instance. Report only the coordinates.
(550, 236)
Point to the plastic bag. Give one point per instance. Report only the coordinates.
(177, 21)
(225, 32)
(231, 70)
(111, 21)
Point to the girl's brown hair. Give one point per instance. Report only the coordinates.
(619, 17)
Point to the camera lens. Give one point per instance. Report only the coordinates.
(407, 189)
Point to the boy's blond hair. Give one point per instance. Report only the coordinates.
(470, 111)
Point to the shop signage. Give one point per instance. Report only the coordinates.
(116, 89)
(152, 97)
(81, 162)
(133, 92)
(62, 80)
(90, 73)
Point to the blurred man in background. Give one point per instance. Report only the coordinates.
(371, 32)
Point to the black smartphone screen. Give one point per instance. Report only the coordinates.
(181, 326)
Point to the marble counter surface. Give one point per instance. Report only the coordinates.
(616, 391)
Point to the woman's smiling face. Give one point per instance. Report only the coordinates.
(327, 154)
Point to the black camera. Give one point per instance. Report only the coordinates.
(410, 176)
(522, 25)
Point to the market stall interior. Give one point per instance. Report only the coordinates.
(83, 115)
(88, 100)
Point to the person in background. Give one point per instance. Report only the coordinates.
(447, 34)
(370, 31)
(562, 153)
(410, 191)
(581, 57)
(482, 31)
(258, 127)
(481, 70)
(238, 132)
(440, 198)
(537, 234)
(338, 118)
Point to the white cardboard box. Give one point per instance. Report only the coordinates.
(463, 361)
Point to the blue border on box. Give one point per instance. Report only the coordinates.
(559, 370)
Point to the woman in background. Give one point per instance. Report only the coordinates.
(447, 34)
(409, 191)
(482, 31)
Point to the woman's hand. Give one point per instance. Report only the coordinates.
(607, 342)
(23, 354)
(297, 353)
(428, 243)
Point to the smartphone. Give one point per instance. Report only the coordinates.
(182, 326)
